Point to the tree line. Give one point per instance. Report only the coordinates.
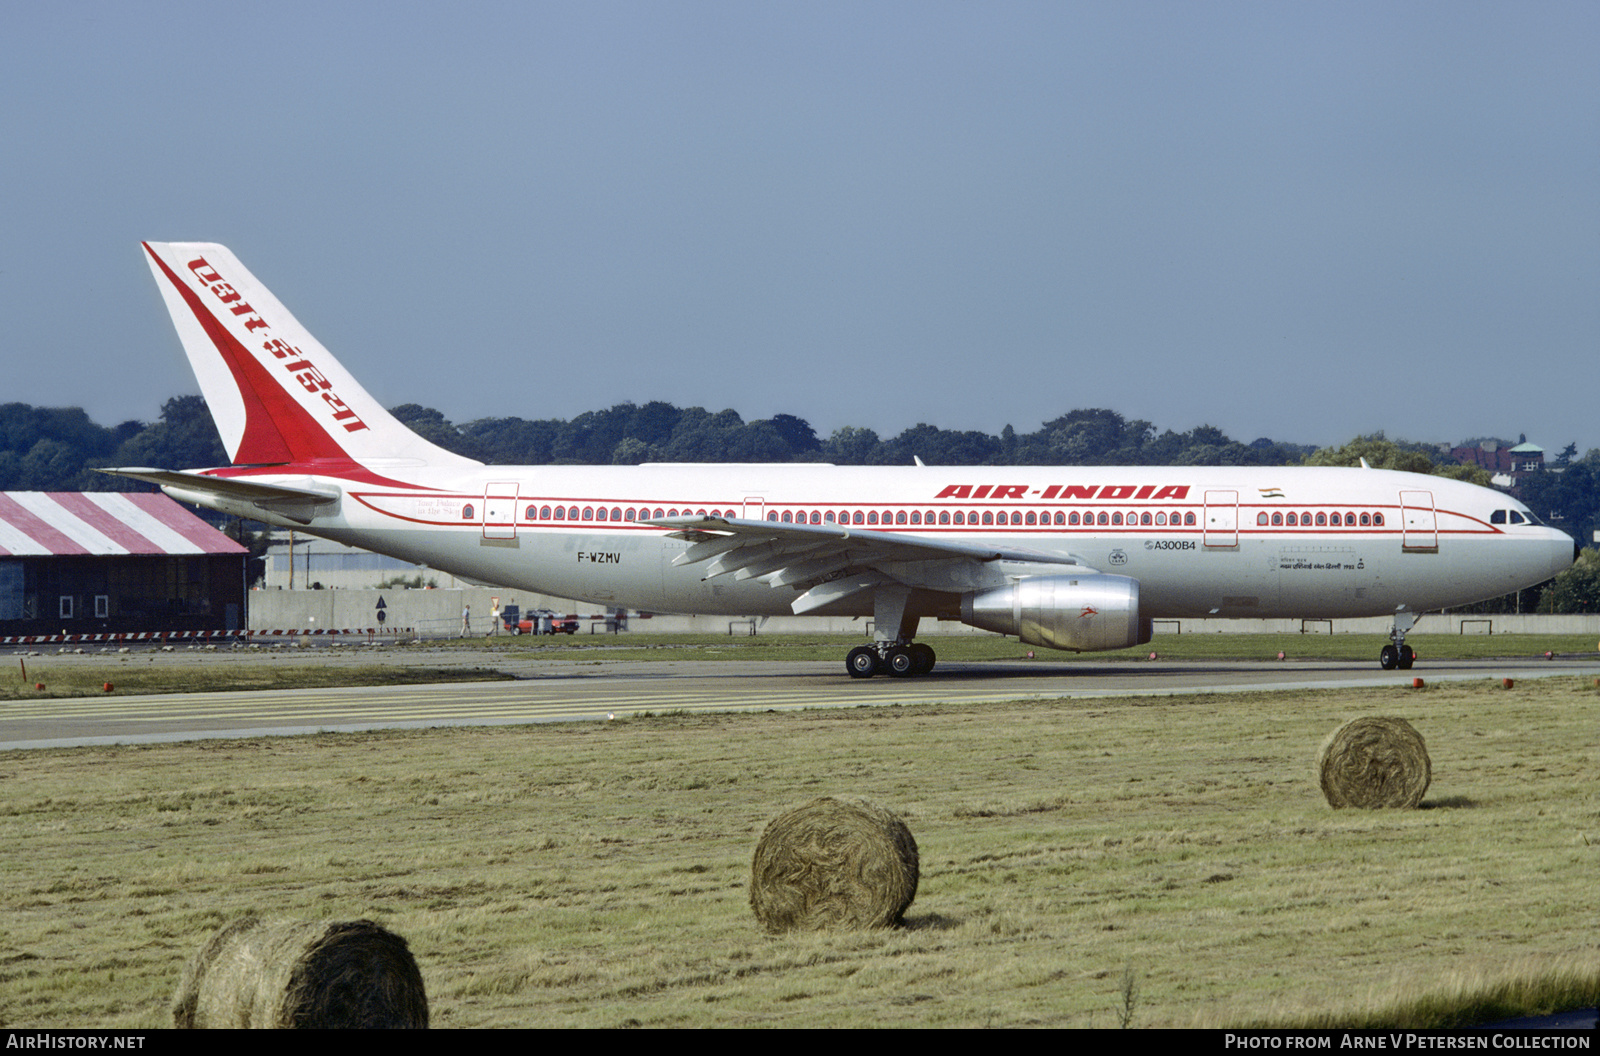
(59, 449)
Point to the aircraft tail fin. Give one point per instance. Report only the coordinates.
(278, 396)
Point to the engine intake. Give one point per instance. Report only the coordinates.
(1083, 614)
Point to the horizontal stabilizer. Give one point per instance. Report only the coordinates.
(297, 504)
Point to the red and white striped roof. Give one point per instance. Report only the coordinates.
(103, 523)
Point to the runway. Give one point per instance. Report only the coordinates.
(564, 691)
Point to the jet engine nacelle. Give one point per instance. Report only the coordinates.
(1081, 613)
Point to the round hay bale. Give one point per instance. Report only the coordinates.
(833, 863)
(284, 974)
(1374, 762)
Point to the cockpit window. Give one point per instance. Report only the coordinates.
(1516, 518)
(1497, 517)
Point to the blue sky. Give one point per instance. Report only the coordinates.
(1298, 220)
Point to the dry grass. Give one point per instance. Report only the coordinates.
(596, 874)
(87, 676)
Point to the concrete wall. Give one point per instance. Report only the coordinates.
(437, 613)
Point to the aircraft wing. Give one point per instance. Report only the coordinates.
(837, 560)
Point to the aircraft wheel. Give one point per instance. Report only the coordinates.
(862, 662)
(1407, 657)
(901, 662)
(1389, 658)
(924, 656)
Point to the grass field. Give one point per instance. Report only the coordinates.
(1175, 851)
(77, 678)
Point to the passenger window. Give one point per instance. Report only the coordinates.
(1102, 518)
(1188, 519)
(588, 513)
(944, 516)
(988, 517)
(900, 517)
(1366, 520)
(1016, 517)
(773, 516)
(1261, 518)
(1322, 519)
(961, 518)
(466, 512)
(1377, 519)
(1116, 518)
(1291, 520)
(816, 518)
(1144, 518)
(916, 516)
(544, 513)
(872, 516)
(1161, 517)
(1061, 518)
(856, 518)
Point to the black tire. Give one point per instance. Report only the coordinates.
(1407, 657)
(862, 662)
(924, 656)
(1389, 658)
(900, 662)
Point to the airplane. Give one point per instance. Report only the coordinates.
(1072, 558)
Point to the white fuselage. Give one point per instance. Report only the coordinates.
(1231, 542)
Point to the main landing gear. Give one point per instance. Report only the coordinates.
(1397, 654)
(899, 655)
(898, 659)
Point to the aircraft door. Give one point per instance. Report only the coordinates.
(1222, 518)
(500, 510)
(755, 507)
(1419, 523)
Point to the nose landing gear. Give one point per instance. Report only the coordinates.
(1397, 654)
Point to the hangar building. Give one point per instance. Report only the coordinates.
(114, 562)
